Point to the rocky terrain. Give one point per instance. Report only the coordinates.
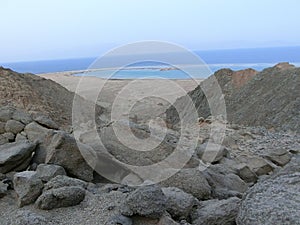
(252, 178)
(269, 98)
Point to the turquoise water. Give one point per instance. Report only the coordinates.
(235, 59)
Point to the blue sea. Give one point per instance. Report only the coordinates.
(237, 59)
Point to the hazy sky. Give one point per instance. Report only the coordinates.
(51, 29)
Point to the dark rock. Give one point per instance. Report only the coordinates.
(274, 200)
(64, 181)
(46, 171)
(147, 201)
(14, 126)
(191, 181)
(216, 212)
(179, 204)
(46, 122)
(60, 197)
(63, 151)
(3, 189)
(14, 155)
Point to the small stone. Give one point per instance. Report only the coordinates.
(64, 181)
(47, 171)
(3, 189)
(119, 220)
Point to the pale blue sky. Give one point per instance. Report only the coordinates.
(51, 29)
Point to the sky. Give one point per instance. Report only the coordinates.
(55, 29)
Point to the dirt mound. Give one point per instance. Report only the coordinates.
(37, 95)
(269, 98)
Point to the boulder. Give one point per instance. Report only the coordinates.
(257, 164)
(45, 121)
(46, 171)
(14, 155)
(27, 217)
(191, 181)
(147, 201)
(225, 184)
(41, 135)
(246, 173)
(63, 151)
(64, 181)
(274, 200)
(216, 212)
(14, 126)
(28, 187)
(60, 197)
(279, 157)
(179, 204)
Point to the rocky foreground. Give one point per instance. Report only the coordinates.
(253, 178)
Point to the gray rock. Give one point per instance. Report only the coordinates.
(257, 164)
(63, 151)
(28, 187)
(64, 181)
(29, 218)
(224, 183)
(2, 176)
(191, 181)
(119, 220)
(21, 116)
(10, 137)
(274, 200)
(147, 201)
(60, 197)
(3, 140)
(46, 171)
(216, 212)
(279, 157)
(246, 173)
(46, 122)
(3, 189)
(6, 114)
(179, 204)
(20, 137)
(14, 126)
(41, 135)
(14, 155)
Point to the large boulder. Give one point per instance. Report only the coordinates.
(60, 197)
(191, 181)
(46, 171)
(179, 204)
(224, 183)
(274, 200)
(63, 151)
(41, 135)
(147, 201)
(28, 187)
(216, 212)
(15, 155)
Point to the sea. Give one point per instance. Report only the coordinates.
(235, 59)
